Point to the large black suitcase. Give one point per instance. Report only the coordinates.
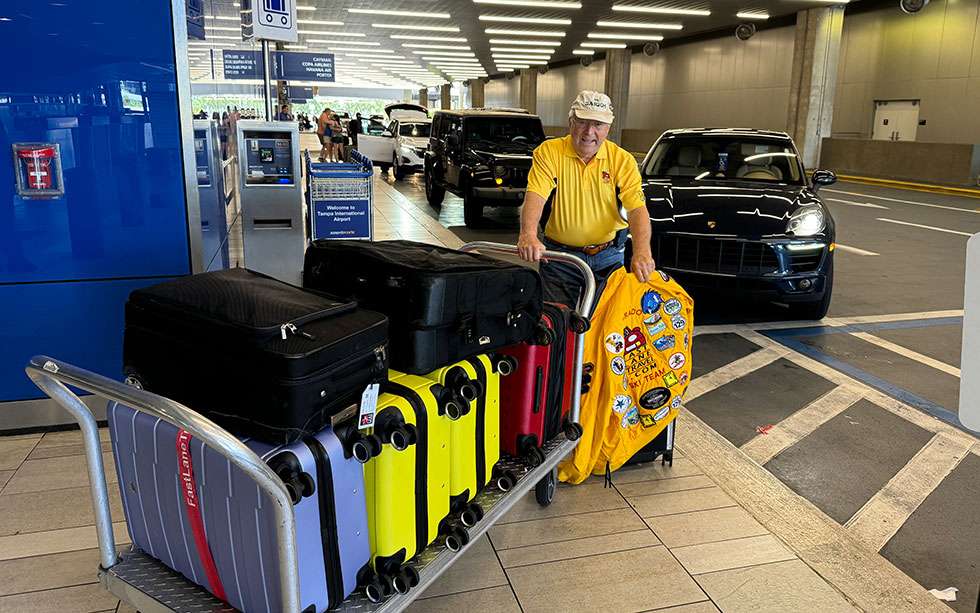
(444, 305)
(260, 357)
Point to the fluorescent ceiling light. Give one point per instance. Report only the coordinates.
(408, 62)
(524, 33)
(626, 35)
(224, 18)
(402, 13)
(371, 56)
(342, 42)
(520, 50)
(318, 22)
(545, 4)
(648, 26)
(402, 26)
(550, 22)
(583, 52)
(511, 67)
(605, 45)
(356, 49)
(216, 37)
(453, 47)
(519, 56)
(752, 15)
(659, 9)
(327, 33)
(444, 53)
(533, 43)
(296, 47)
(444, 39)
(305, 8)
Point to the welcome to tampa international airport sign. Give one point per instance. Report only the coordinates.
(286, 65)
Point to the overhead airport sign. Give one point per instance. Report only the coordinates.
(297, 93)
(242, 64)
(195, 19)
(293, 66)
(269, 19)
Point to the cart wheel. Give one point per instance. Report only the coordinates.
(573, 431)
(667, 458)
(534, 457)
(457, 539)
(506, 480)
(544, 491)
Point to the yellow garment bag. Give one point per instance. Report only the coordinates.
(638, 352)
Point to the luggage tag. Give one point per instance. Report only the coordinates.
(369, 406)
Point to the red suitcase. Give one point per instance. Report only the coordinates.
(535, 398)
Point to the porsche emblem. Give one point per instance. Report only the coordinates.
(712, 224)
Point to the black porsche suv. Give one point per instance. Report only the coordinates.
(482, 156)
(733, 211)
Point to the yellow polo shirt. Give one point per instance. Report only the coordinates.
(585, 210)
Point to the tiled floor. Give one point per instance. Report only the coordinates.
(661, 539)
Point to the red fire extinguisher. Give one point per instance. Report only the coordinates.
(38, 161)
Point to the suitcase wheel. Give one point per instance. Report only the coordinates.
(457, 539)
(378, 588)
(453, 410)
(534, 457)
(363, 448)
(506, 480)
(543, 335)
(405, 579)
(544, 491)
(403, 437)
(472, 514)
(579, 324)
(505, 365)
(573, 431)
(470, 391)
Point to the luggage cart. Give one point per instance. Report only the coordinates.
(145, 583)
(344, 189)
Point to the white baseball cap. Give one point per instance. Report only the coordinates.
(593, 106)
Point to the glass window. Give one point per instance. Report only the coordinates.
(504, 130)
(706, 157)
(415, 130)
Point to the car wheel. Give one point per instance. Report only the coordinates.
(433, 193)
(817, 309)
(472, 210)
(399, 173)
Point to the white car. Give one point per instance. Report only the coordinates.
(402, 143)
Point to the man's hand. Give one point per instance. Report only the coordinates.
(643, 266)
(529, 248)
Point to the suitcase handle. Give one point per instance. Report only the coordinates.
(583, 310)
(53, 377)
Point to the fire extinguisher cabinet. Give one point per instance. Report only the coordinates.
(38, 171)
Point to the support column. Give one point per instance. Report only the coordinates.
(424, 97)
(446, 95)
(617, 87)
(814, 79)
(477, 93)
(528, 97)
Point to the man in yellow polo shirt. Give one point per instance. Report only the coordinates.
(590, 177)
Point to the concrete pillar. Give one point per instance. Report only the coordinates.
(424, 97)
(477, 93)
(528, 97)
(407, 95)
(814, 78)
(617, 87)
(446, 93)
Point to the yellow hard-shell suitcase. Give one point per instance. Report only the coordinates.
(474, 437)
(407, 485)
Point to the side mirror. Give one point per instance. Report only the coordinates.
(386, 134)
(823, 177)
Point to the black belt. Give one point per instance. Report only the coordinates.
(587, 250)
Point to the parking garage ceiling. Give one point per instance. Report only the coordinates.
(415, 43)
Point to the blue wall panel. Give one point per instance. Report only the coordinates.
(98, 79)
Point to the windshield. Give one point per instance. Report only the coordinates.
(721, 158)
(504, 130)
(415, 130)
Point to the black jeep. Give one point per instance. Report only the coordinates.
(481, 155)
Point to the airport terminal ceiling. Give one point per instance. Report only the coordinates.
(414, 43)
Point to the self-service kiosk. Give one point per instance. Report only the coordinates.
(271, 194)
(211, 188)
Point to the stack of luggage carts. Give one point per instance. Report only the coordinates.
(382, 394)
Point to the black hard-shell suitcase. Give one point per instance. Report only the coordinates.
(444, 305)
(661, 447)
(258, 356)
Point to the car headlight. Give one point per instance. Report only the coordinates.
(499, 171)
(806, 222)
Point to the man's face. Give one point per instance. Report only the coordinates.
(587, 135)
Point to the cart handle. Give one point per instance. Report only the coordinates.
(584, 305)
(52, 376)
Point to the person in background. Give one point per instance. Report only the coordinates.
(225, 126)
(323, 131)
(284, 114)
(590, 178)
(337, 136)
(354, 128)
